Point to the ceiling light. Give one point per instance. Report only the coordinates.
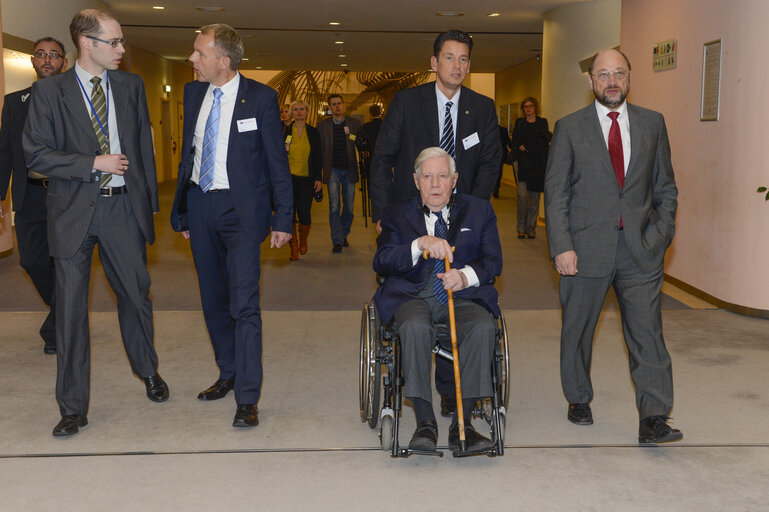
(244, 58)
(493, 14)
(333, 23)
(338, 42)
(197, 31)
(341, 55)
(210, 9)
(258, 67)
(449, 13)
(343, 65)
(158, 7)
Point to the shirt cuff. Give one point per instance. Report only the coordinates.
(472, 277)
(415, 252)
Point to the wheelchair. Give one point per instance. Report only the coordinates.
(380, 348)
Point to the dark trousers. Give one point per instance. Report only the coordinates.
(476, 336)
(304, 189)
(123, 253)
(228, 267)
(34, 256)
(639, 294)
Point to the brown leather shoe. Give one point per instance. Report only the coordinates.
(294, 245)
(304, 234)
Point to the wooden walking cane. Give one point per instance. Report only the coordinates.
(455, 354)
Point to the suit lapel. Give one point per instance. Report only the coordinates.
(429, 106)
(120, 95)
(634, 120)
(595, 135)
(455, 216)
(72, 96)
(465, 120)
(415, 217)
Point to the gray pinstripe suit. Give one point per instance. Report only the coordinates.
(59, 142)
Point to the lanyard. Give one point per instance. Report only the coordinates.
(94, 110)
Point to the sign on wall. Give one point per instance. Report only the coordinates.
(664, 55)
(711, 80)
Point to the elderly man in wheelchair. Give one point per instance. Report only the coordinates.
(416, 237)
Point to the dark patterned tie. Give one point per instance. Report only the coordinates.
(100, 123)
(615, 152)
(441, 231)
(447, 140)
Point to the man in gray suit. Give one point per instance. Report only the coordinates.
(610, 200)
(88, 130)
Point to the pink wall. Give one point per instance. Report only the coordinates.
(722, 232)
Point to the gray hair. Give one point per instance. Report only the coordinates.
(433, 152)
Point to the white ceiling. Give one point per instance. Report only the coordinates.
(391, 35)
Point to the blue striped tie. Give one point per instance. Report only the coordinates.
(441, 231)
(208, 158)
(447, 140)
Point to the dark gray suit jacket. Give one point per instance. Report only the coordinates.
(583, 201)
(326, 130)
(11, 154)
(59, 142)
(411, 125)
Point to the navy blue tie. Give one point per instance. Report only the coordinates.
(447, 138)
(441, 231)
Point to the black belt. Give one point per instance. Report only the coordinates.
(42, 182)
(112, 191)
(195, 185)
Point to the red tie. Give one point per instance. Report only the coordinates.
(615, 149)
(615, 152)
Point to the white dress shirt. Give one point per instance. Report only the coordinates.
(430, 220)
(226, 109)
(624, 127)
(114, 136)
(442, 100)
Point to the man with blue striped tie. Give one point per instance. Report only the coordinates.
(415, 296)
(447, 114)
(234, 186)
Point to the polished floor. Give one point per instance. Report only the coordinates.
(311, 450)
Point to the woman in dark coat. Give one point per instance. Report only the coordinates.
(531, 139)
(305, 160)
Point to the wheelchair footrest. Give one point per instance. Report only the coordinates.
(490, 452)
(405, 452)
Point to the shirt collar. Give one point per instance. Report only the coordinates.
(603, 110)
(442, 99)
(85, 77)
(228, 89)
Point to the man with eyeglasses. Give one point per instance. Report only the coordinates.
(29, 187)
(610, 201)
(88, 131)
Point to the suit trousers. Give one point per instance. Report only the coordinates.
(639, 294)
(228, 266)
(34, 255)
(476, 332)
(123, 253)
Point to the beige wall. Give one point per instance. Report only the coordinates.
(722, 229)
(156, 72)
(519, 81)
(570, 34)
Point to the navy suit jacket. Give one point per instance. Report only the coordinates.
(12, 160)
(257, 166)
(473, 233)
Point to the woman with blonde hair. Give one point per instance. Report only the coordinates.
(305, 160)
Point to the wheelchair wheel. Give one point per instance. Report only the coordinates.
(370, 370)
(503, 366)
(386, 433)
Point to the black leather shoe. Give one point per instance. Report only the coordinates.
(220, 388)
(448, 406)
(157, 389)
(49, 347)
(474, 441)
(337, 248)
(654, 430)
(425, 437)
(580, 414)
(531, 235)
(247, 415)
(345, 244)
(69, 425)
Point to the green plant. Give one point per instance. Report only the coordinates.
(761, 190)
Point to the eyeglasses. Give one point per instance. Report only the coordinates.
(52, 56)
(112, 42)
(603, 76)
